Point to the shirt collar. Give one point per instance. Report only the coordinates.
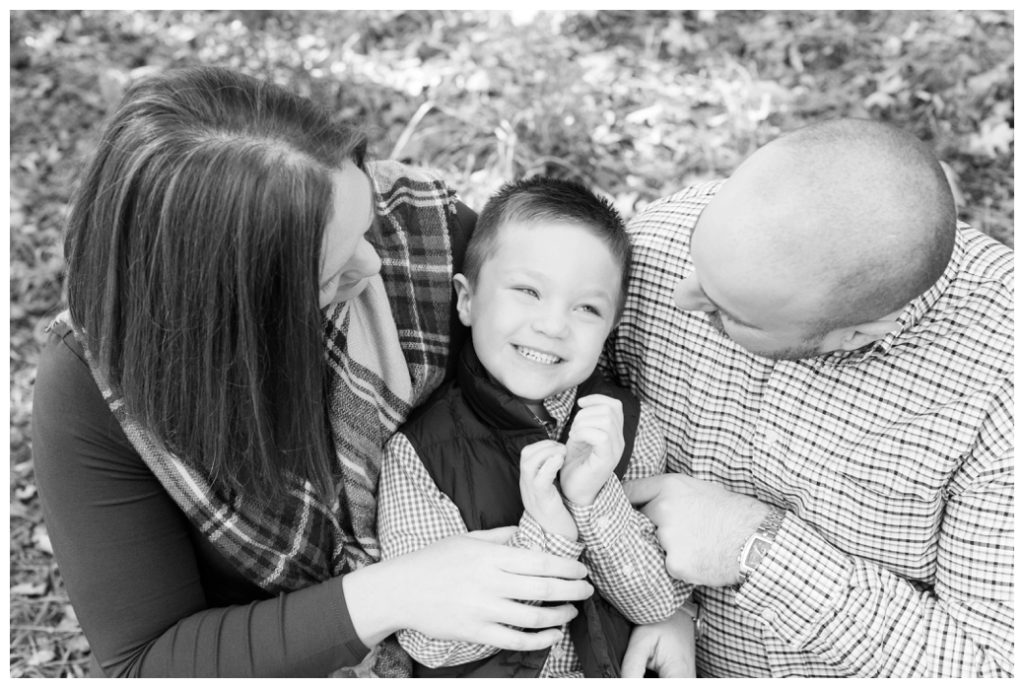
(560, 406)
(908, 317)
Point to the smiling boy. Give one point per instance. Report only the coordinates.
(529, 435)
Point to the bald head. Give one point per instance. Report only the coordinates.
(856, 216)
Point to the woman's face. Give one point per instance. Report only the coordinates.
(348, 258)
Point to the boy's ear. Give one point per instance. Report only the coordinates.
(464, 296)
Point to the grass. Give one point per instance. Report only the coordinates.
(638, 105)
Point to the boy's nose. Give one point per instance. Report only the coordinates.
(551, 322)
(689, 296)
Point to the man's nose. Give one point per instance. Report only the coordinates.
(689, 296)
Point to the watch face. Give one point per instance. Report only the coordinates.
(758, 548)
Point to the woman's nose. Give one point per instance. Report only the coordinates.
(689, 296)
(365, 262)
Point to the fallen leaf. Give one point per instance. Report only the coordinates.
(29, 589)
(77, 644)
(43, 656)
(25, 492)
(996, 136)
(69, 623)
(41, 539)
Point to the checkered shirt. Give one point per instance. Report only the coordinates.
(617, 543)
(894, 463)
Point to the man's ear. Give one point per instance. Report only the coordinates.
(855, 336)
(463, 295)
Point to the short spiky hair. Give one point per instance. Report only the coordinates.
(547, 199)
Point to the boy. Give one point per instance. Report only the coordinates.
(543, 285)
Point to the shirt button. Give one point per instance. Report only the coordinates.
(602, 522)
(627, 570)
(557, 651)
(769, 615)
(772, 437)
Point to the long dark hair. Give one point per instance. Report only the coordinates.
(194, 248)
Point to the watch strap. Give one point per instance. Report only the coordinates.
(691, 609)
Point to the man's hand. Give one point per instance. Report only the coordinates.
(701, 525)
(538, 465)
(666, 647)
(594, 448)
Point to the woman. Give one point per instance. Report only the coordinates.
(207, 472)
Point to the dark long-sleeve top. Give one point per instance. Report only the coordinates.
(152, 595)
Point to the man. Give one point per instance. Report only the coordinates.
(831, 357)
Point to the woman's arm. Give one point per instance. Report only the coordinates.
(127, 557)
(141, 585)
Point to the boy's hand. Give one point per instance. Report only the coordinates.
(594, 448)
(538, 465)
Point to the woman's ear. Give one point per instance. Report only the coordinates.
(464, 297)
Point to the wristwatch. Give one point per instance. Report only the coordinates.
(758, 544)
(691, 609)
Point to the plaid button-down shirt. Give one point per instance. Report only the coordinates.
(616, 542)
(894, 463)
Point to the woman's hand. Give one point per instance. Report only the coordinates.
(595, 446)
(666, 647)
(467, 588)
(538, 466)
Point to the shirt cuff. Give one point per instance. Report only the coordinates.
(801, 580)
(354, 649)
(531, 535)
(604, 521)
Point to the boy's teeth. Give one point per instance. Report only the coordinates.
(537, 355)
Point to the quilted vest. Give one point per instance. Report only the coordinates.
(469, 436)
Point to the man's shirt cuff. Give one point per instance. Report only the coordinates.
(798, 584)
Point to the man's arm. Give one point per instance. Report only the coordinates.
(861, 616)
(850, 611)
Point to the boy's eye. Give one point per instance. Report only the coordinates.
(529, 291)
(590, 309)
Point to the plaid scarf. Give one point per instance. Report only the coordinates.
(386, 350)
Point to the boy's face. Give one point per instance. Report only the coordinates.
(541, 307)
